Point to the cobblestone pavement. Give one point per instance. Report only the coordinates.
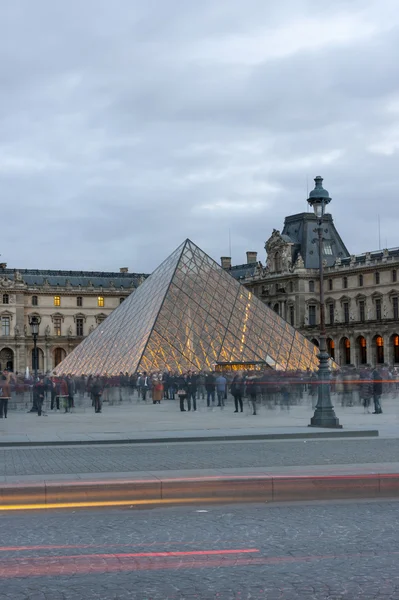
(327, 551)
(206, 455)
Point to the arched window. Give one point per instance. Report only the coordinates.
(277, 261)
(276, 308)
(362, 350)
(121, 300)
(395, 342)
(379, 345)
(331, 347)
(6, 299)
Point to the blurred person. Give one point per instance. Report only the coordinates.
(377, 392)
(54, 399)
(237, 390)
(191, 390)
(62, 393)
(145, 386)
(252, 391)
(157, 389)
(221, 387)
(182, 391)
(39, 389)
(201, 385)
(96, 393)
(210, 385)
(5, 395)
(71, 391)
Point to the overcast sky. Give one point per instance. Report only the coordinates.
(128, 125)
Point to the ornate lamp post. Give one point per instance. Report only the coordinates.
(34, 322)
(324, 415)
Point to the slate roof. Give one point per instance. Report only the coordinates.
(37, 277)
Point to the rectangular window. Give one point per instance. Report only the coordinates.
(100, 301)
(311, 286)
(331, 313)
(394, 276)
(362, 311)
(57, 326)
(345, 282)
(377, 278)
(292, 315)
(34, 301)
(57, 300)
(79, 301)
(395, 306)
(378, 309)
(330, 284)
(327, 248)
(346, 312)
(312, 314)
(5, 325)
(360, 280)
(101, 319)
(79, 327)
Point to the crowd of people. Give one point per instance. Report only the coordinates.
(271, 388)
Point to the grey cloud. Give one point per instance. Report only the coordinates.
(117, 140)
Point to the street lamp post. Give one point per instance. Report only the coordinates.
(34, 322)
(324, 414)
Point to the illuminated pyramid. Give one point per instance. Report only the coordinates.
(189, 314)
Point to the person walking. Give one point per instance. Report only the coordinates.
(221, 387)
(96, 392)
(377, 392)
(237, 391)
(145, 386)
(252, 389)
(54, 399)
(157, 389)
(192, 390)
(182, 391)
(210, 384)
(62, 393)
(5, 395)
(39, 389)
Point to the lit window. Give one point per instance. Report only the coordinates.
(5, 326)
(57, 300)
(57, 326)
(327, 248)
(100, 301)
(34, 301)
(6, 299)
(79, 301)
(79, 327)
(121, 300)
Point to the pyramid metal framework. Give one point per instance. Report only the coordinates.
(189, 314)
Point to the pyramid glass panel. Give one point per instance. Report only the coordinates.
(190, 314)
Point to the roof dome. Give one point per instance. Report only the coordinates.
(319, 191)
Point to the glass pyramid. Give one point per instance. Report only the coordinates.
(189, 314)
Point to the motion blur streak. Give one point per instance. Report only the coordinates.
(66, 565)
(111, 503)
(142, 554)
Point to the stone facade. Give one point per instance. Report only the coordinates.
(70, 305)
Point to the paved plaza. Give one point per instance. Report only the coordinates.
(135, 420)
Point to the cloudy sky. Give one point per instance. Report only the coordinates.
(127, 126)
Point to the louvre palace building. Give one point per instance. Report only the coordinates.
(361, 298)
(69, 304)
(361, 291)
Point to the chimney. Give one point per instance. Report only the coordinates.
(124, 270)
(252, 257)
(225, 261)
